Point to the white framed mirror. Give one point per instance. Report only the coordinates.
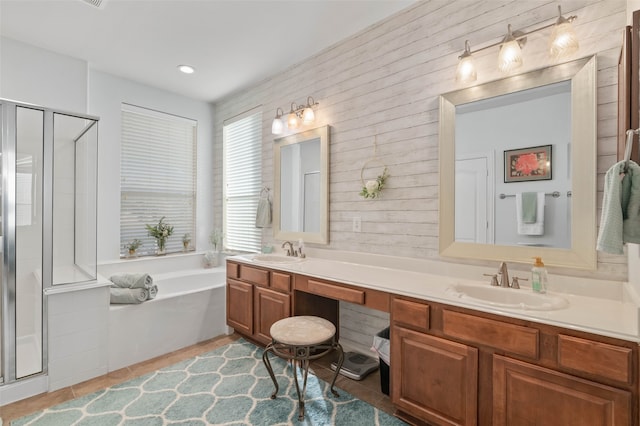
(549, 114)
(301, 179)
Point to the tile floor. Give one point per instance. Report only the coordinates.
(367, 390)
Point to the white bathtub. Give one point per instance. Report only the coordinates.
(189, 308)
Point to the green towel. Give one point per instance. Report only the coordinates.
(529, 207)
(620, 218)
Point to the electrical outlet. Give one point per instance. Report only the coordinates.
(357, 224)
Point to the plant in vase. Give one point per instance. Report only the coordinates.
(211, 257)
(186, 240)
(132, 246)
(161, 232)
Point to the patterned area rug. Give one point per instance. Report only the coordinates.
(227, 386)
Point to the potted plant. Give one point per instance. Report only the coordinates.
(161, 232)
(186, 240)
(132, 246)
(212, 256)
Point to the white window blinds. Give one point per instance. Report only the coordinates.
(242, 178)
(157, 176)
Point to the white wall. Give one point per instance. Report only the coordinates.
(78, 320)
(37, 76)
(385, 83)
(107, 93)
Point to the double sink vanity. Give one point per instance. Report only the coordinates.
(463, 352)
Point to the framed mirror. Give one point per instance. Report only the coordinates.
(505, 141)
(301, 178)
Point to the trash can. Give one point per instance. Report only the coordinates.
(382, 347)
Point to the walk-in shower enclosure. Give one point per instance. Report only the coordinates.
(48, 216)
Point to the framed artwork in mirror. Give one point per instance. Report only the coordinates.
(527, 164)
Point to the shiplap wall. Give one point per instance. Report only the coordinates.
(382, 85)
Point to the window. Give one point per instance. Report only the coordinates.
(242, 181)
(157, 176)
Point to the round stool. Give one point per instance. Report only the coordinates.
(302, 339)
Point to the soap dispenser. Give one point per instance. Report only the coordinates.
(539, 276)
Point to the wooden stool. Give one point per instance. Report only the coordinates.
(302, 339)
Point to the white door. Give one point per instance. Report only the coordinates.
(471, 221)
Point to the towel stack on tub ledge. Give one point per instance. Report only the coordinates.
(132, 288)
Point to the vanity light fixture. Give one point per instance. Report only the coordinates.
(562, 43)
(304, 113)
(277, 127)
(466, 71)
(510, 56)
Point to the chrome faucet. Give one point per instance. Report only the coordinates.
(290, 251)
(504, 275)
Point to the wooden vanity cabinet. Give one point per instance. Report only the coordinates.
(456, 366)
(434, 379)
(256, 298)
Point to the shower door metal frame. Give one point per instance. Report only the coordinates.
(8, 136)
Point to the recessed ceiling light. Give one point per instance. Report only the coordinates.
(187, 69)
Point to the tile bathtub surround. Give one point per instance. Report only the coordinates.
(368, 390)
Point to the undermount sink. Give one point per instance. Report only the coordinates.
(507, 297)
(275, 258)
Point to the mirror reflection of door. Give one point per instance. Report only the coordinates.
(519, 120)
(300, 186)
(311, 222)
(472, 221)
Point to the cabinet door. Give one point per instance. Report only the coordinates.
(240, 306)
(434, 379)
(269, 307)
(526, 394)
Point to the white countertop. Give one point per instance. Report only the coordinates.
(614, 316)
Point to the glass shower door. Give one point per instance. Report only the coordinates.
(28, 217)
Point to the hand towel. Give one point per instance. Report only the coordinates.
(529, 207)
(620, 217)
(263, 214)
(128, 295)
(131, 280)
(537, 227)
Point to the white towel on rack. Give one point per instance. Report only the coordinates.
(537, 227)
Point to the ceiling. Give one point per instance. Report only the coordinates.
(231, 43)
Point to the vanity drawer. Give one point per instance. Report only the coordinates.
(595, 358)
(254, 275)
(338, 292)
(412, 314)
(511, 338)
(281, 281)
(233, 270)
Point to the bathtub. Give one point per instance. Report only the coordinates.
(189, 308)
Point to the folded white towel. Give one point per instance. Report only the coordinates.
(131, 280)
(153, 291)
(536, 228)
(128, 295)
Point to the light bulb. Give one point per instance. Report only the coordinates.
(308, 116)
(564, 41)
(510, 56)
(466, 71)
(292, 121)
(277, 127)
